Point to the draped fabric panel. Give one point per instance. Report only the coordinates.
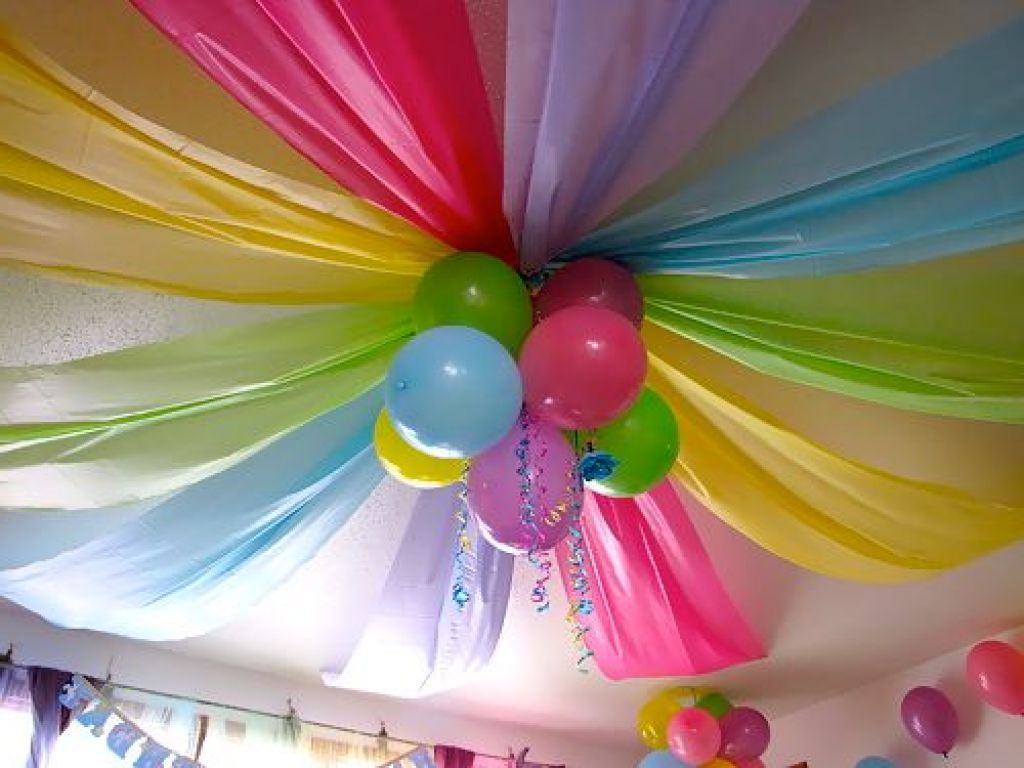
(786, 90)
(943, 336)
(418, 641)
(91, 191)
(808, 505)
(659, 607)
(208, 553)
(147, 421)
(923, 165)
(386, 98)
(603, 95)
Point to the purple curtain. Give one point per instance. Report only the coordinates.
(49, 718)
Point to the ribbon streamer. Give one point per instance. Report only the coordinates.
(942, 336)
(807, 504)
(208, 553)
(923, 165)
(91, 191)
(418, 641)
(659, 608)
(151, 420)
(386, 98)
(602, 94)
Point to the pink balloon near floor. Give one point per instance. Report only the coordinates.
(745, 734)
(930, 719)
(539, 454)
(996, 671)
(582, 367)
(694, 736)
(591, 282)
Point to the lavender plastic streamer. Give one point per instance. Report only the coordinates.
(603, 96)
(419, 641)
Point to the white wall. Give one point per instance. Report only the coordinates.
(134, 663)
(838, 732)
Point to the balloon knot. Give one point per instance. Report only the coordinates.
(597, 465)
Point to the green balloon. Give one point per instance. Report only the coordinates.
(474, 289)
(715, 704)
(644, 441)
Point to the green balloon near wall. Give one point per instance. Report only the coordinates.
(644, 441)
(715, 704)
(475, 290)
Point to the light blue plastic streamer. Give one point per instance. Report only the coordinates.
(923, 165)
(200, 558)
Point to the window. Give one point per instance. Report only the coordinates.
(15, 718)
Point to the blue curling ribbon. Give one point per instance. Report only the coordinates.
(597, 465)
(579, 585)
(460, 593)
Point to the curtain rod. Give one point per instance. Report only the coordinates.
(6, 660)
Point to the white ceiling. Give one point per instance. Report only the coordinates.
(824, 636)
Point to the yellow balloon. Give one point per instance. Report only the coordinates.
(652, 720)
(719, 762)
(411, 466)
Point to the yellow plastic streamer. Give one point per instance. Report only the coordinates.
(91, 191)
(809, 505)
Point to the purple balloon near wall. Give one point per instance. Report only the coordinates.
(929, 717)
(745, 734)
(533, 465)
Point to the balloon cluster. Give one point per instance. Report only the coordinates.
(995, 670)
(691, 727)
(526, 398)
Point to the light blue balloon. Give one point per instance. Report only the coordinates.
(875, 762)
(661, 759)
(453, 391)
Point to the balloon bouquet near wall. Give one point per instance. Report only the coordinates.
(525, 400)
(995, 670)
(700, 728)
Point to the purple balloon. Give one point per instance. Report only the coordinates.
(745, 734)
(533, 465)
(929, 717)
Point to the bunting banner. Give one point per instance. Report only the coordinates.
(101, 716)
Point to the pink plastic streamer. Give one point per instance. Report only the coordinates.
(603, 96)
(386, 97)
(659, 608)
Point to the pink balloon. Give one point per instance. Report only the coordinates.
(745, 733)
(591, 282)
(694, 736)
(496, 492)
(930, 718)
(582, 367)
(996, 670)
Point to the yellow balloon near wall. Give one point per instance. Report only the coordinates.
(652, 720)
(411, 466)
